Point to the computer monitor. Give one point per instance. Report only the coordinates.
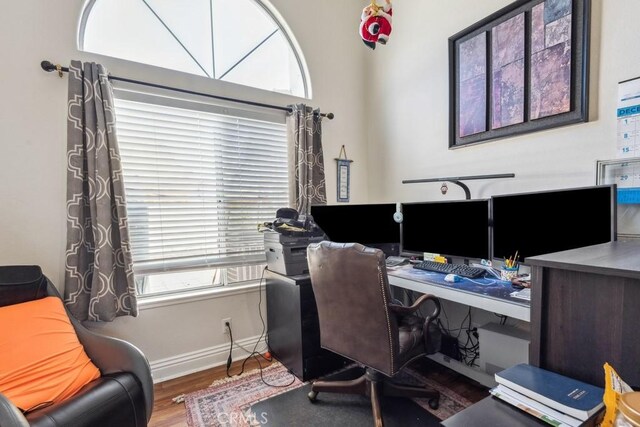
(552, 221)
(371, 225)
(451, 228)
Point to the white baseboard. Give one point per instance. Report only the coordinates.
(199, 360)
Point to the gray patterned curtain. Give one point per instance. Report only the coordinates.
(304, 134)
(99, 283)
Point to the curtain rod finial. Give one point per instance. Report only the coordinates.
(47, 66)
(330, 116)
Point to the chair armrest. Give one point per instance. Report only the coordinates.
(113, 355)
(400, 309)
(10, 415)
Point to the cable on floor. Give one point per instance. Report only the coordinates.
(254, 354)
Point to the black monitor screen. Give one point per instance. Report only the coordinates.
(459, 228)
(552, 221)
(365, 224)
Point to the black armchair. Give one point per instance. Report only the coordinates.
(122, 396)
(359, 320)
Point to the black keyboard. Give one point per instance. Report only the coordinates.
(458, 269)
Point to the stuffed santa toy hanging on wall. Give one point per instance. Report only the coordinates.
(375, 23)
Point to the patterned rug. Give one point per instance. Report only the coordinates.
(227, 402)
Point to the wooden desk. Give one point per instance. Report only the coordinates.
(585, 311)
(487, 293)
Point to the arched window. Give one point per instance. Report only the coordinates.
(238, 41)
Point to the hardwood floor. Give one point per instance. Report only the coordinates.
(462, 385)
(166, 413)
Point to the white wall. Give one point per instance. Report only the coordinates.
(409, 87)
(409, 98)
(33, 139)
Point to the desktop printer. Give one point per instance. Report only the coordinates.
(286, 241)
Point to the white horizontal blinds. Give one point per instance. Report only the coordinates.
(197, 184)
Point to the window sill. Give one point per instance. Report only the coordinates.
(151, 302)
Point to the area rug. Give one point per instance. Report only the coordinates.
(228, 402)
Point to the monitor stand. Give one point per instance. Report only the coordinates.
(389, 249)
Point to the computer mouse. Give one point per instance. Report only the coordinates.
(452, 278)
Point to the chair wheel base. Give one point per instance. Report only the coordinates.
(313, 396)
(434, 403)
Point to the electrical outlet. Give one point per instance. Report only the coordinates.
(224, 325)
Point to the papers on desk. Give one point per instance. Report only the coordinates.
(532, 407)
(524, 294)
(396, 261)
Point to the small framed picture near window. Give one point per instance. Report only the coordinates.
(344, 176)
(522, 69)
(343, 180)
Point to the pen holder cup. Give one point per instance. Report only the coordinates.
(507, 274)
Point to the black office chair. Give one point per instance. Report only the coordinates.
(359, 320)
(122, 396)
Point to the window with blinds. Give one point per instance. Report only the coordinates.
(198, 182)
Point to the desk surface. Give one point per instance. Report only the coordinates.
(485, 293)
(611, 259)
(491, 412)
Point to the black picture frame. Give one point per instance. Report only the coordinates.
(578, 110)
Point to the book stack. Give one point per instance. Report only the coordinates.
(551, 397)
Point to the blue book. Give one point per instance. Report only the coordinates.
(569, 396)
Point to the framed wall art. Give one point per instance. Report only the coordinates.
(522, 69)
(343, 178)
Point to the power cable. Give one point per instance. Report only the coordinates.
(254, 354)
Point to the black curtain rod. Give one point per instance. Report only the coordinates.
(49, 67)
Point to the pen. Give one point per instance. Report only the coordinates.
(512, 261)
